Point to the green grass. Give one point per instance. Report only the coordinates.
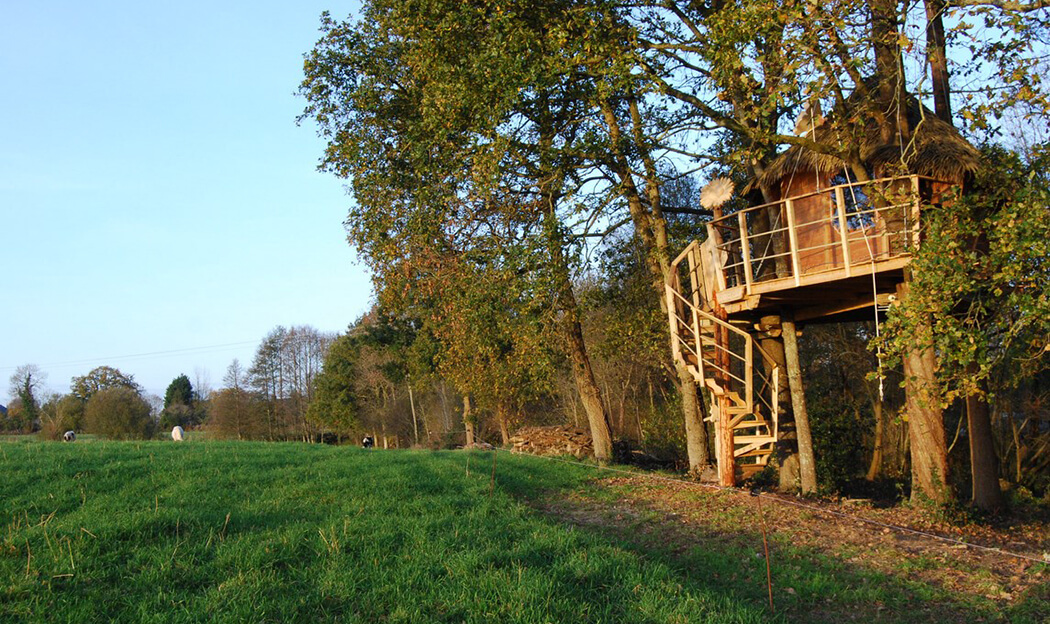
(252, 532)
(257, 532)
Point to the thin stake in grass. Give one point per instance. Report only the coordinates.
(492, 481)
(765, 546)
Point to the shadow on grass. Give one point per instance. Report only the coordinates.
(808, 585)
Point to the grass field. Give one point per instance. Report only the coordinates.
(257, 532)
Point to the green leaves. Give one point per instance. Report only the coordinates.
(981, 278)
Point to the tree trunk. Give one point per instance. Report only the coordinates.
(806, 459)
(590, 395)
(984, 463)
(415, 421)
(504, 431)
(468, 420)
(889, 107)
(875, 467)
(936, 55)
(787, 444)
(583, 374)
(929, 452)
(651, 228)
(696, 439)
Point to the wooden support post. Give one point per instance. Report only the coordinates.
(727, 465)
(806, 458)
(726, 461)
(793, 241)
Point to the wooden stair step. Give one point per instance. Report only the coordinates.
(742, 418)
(763, 439)
(755, 453)
(750, 470)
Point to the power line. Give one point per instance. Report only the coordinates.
(150, 354)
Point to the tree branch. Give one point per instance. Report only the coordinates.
(1006, 5)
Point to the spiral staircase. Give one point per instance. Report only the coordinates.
(724, 359)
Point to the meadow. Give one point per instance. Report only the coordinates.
(280, 532)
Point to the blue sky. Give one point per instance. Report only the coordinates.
(156, 195)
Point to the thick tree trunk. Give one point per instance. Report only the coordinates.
(984, 464)
(929, 452)
(806, 458)
(889, 109)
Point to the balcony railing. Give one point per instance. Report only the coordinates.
(839, 229)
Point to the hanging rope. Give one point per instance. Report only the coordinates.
(874, 285)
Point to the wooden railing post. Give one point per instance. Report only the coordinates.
(793, 241)
(672, 318)
(694, 264)
(840, 202)
(749, 373)
(745, 251)
(916, 211)
(716, 238)
(698, 343)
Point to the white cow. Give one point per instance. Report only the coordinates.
(177, 434)
(69, 436)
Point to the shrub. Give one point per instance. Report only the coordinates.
(119, 413)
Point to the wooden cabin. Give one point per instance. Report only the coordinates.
(828, 247)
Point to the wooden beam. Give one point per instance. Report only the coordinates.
(815, 312)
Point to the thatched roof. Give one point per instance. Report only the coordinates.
(936, 149)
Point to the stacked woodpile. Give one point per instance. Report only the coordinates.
(557, 440)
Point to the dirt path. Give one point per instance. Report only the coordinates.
(682, 517)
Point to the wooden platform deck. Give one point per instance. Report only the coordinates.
(825, 253)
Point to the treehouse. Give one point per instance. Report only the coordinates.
(831, 246)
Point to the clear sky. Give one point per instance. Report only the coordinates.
(157, 199)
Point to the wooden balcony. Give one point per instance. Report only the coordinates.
(823, 253)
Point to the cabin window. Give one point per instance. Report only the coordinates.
(856, 204)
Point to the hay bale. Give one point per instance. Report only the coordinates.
(556, 440)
